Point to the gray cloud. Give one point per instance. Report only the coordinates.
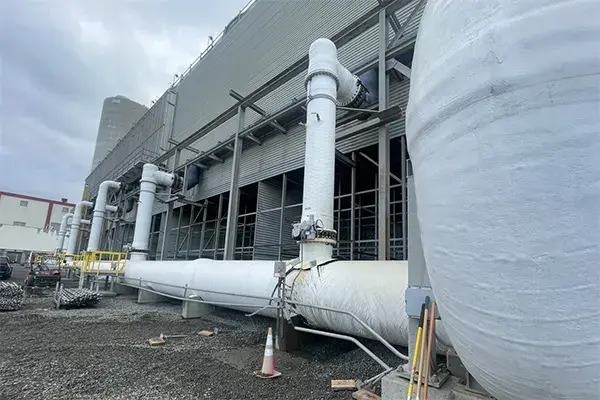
(60, 58)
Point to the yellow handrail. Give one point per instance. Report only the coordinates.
(104, 262)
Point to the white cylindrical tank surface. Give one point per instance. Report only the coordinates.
(503, 129)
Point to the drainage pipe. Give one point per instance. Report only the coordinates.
(100, 209)
(151, 177)
(62, 231)
(75, 223)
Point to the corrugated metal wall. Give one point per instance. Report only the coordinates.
(266, 238)
(267, 40)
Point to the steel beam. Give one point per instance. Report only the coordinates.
(258, 110)
(375, 163)
(215, 157)
(234, 191)
(383, 194)
(203, 231)
(253, 138)
(398, 66)
(352, 30)
(408, 20)
(344, 159)
(169, 212)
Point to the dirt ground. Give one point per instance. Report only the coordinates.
(103, 353)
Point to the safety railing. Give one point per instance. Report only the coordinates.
(103, 262)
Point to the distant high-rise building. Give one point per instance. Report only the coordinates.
(119, 115)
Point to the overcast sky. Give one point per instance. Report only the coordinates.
(60, 58)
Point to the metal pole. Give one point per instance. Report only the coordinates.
(169, 213)
(352, 204)
(404, 199)
(234, 190)
(218, 226)
(283, 195)
(383, 226)
(244, 231)
(189, 240)
(202, 232)
(176, 249)
(339, 213)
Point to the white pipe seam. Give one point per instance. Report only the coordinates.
(75, 225)
(323, 60)
(99, 211)
(62, 231)
(151, 177)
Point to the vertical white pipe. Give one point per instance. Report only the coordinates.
(151, 177)
(319, 161)
(327, 82)
(99, 211)
(62, 231)
(75, 225)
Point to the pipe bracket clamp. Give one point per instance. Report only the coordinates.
(322, 72)
(320, 96)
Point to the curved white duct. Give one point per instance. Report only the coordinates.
(151, 177)
(76, 221)
(100, 209)
(62, 231)
(373, 290)
(503, 128)
(327, 82)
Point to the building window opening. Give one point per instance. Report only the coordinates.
(23, 203)
(65, 210)
(19, 223)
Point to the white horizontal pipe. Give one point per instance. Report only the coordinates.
(112, 209)
(373, 290)
(99, 210)
(62, 231)
(75, 225)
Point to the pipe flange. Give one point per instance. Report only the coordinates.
(359, 96)
(320, 96)
(322, 72)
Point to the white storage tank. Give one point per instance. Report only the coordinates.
(503, 129)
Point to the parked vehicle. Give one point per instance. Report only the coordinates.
(5, 268)
(44, 273)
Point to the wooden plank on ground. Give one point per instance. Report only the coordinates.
(343, 384)
(364, 394)
(156, 341)
(206, 333)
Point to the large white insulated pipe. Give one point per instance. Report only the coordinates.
(151, 177)
(75, 223)
(327, 83)
(373, 290)
(62, 231)
(100, 209)
(503, 129)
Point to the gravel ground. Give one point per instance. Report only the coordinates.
(103, 353)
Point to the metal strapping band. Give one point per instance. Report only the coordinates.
(320, 96)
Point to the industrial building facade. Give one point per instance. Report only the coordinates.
(33, 212)
(119, 115)
(232, 127)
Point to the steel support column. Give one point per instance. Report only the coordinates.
(283, 196)
(352, 206)
(404, 197)
(169, 213)
(176, 248)
(383, 213)
(189, 240)
(217, 233)
(203, 231)
(234, 190)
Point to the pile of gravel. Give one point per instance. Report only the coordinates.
(11, 296)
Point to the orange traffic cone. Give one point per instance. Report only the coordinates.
(268, 366)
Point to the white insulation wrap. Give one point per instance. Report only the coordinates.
(374, 291)
(503, 129)
(75, 223)
(100, 209)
